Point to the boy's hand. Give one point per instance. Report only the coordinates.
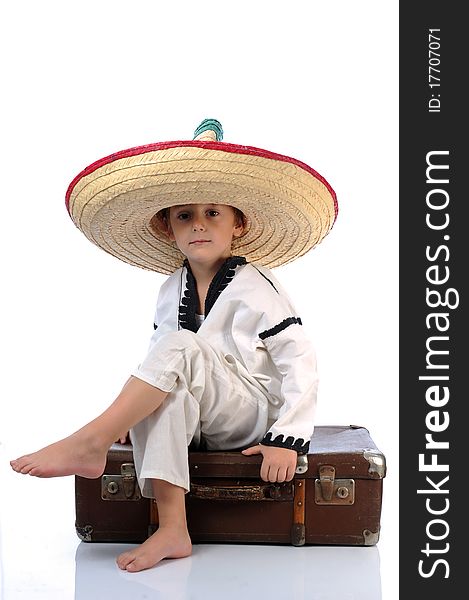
(123, 439)
(278, 464)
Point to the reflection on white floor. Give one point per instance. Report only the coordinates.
(232, 572)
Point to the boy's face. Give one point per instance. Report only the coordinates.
(204, 232)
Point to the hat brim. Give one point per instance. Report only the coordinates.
(289, 207)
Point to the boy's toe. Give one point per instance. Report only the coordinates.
(140, 563)
(133, 567)
(124, 559)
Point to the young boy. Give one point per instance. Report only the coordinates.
(229, 365)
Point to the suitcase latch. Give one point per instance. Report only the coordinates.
(121, 487)
(329, 490)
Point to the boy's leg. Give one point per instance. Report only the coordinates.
(209, 392)
(84, 452)
(171, 539)
(213, 395)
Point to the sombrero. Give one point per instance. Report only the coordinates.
(289, 207)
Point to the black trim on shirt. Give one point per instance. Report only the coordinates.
(290, 443)
(190, 299)
(280, 327)
(189, 303)
(222, 278)
(266, 278)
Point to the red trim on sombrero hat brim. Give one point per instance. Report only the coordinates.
(225, 147)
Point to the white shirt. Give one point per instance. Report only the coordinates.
(249, 316)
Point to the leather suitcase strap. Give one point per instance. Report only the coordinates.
(298, 531)
(278, 492)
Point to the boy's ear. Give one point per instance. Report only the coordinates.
(169, 233)
(165, 227)
(238, 230)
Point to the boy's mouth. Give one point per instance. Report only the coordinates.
(199, 242)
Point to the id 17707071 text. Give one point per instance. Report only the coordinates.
(434, 103)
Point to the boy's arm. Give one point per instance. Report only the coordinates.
(280, 332)
(294, 356)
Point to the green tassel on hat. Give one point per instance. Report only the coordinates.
(209, 125)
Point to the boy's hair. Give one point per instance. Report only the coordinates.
(161, 219)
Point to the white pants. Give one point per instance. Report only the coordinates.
(211, 396)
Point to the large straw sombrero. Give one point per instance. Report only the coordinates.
(289, 207)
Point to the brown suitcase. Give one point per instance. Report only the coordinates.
(334, 498)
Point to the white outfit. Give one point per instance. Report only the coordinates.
(246, 374)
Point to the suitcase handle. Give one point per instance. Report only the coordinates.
(271, 491)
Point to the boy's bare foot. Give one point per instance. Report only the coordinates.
(166, 542)
(74, 455)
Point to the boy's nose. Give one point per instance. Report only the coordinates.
(198, 225)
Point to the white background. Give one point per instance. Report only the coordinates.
(311, 79)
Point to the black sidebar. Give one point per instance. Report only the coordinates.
(434, 257)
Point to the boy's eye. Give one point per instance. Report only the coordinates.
(184, 216)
